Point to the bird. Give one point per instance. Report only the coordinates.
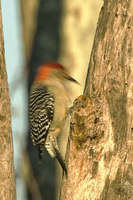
(49, 101)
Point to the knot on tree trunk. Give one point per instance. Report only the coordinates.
(86, 121)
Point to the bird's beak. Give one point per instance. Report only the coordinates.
(70, 78)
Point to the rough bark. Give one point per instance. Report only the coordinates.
(7, 180)
(100, 156)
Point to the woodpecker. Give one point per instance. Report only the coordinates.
(48, 106)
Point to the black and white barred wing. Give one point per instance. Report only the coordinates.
(41, 111)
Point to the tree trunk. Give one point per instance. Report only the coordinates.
(76, 43)
(100, 156)
(7, 180)
(29, 10)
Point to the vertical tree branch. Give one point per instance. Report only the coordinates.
(7, 180)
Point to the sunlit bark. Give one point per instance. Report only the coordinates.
(7, 180)
(101, 149)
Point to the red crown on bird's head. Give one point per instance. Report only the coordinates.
(44, 70)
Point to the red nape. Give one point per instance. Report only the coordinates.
(44, 70)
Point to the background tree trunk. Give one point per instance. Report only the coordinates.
(7, 180)
(29, 10)
(78, 25)
(100, 156)
(45, 48)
